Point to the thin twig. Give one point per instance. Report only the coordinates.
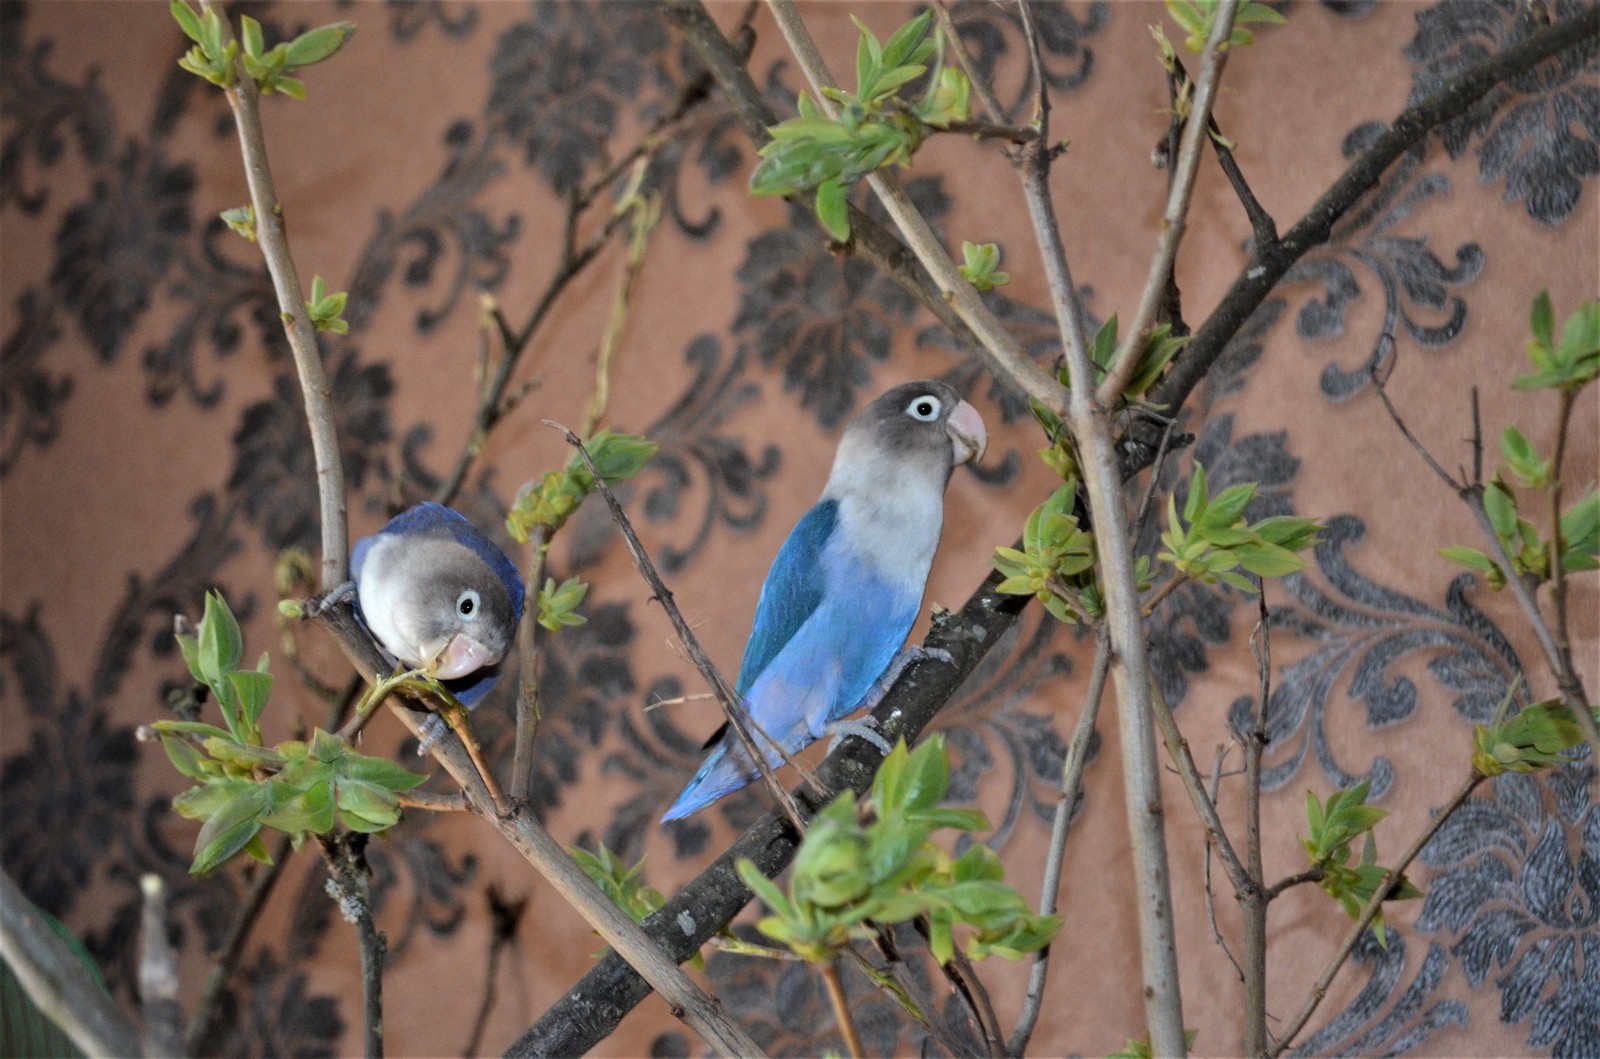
(434, 801)
(739, 720)
(1211, 904)
(1314, 874)
(272, 237)
(1091, 430)
(1261, 222)
(1471, 494)
(1066, 805)
(529, 712)
(1175, 219)
(841, 1008)
(1194, 784)
(981, 87)
(1368, 913)
(1253, 899)
(989, 130)
(998, 350)
(222, 964)
(349, 885)
(158, 974)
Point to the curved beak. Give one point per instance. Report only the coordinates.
(968, 438)
(456, 657)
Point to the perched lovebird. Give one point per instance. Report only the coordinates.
(847, 585)
(439, 596)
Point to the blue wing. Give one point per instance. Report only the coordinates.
(791, 593)
(825, 666)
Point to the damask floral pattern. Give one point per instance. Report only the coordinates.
(136, 288)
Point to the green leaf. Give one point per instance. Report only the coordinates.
(1580, 526)
(1542, 320)
(229, 829)
(250, 32)
(927, 777)
(558, 606)
(1501, 508)
(184, 755)
(1268, 560)
(381, 771)
(901, 46)
(1469, 557)
(315, 45)
(220, 644)
(764, 888)
(187, 21)
(833, 209)
(309, 810)
(252, 689)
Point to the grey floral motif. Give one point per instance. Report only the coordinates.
(1540, 133)
(43, 113)
(1365, 629)
(990, 32)
(231, 305)
(1517, 888)
(112, 249)
(441, 232)
(408, 18)
(69, 793)
(700, 476)
(1380, 1022)
(824, 322)
(1416, 285)
(279, 1016)
(274, 472)
(30, 396)
(563, 77)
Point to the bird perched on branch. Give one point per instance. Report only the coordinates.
(847, 585)
(439, 596)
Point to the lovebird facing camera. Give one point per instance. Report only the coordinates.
(439, 596)
(847, 584)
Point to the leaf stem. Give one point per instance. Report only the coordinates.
(841, 1008)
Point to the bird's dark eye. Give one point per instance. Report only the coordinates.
(924, 408)
(467, 603)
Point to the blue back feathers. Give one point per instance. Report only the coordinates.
(791, 593)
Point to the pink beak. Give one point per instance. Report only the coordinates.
(457, 657)
(968, 438)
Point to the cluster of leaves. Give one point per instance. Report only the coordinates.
(243, 785)
(876, 127)
(980, 266)
(848, 874)
(1334, 827)
(1566, 366)
(1536, 738)
(1140, 1049)
(214, 56)
(327, 310)
(558, 605)
(1197, 17)
(1056, 562)
(1212, 541)
(552, 500)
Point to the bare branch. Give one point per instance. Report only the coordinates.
(1071, 791)
(1175, 219)
(349, 886)
(740, 722)
(272, 236)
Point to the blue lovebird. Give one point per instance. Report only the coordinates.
(440, 596)
(847, 585)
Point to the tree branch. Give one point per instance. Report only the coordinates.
(1175, 219)
(593, 1007)
(57, 981)
(1269, 262)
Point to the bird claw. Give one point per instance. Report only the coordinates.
(433, 729)
(331, 598)
(881, 686)
(866, 728)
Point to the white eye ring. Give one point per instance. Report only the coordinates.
(468, 604)
(924, 408)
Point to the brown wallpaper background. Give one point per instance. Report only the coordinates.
(153, 446)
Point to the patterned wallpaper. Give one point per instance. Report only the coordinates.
(153, 445)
